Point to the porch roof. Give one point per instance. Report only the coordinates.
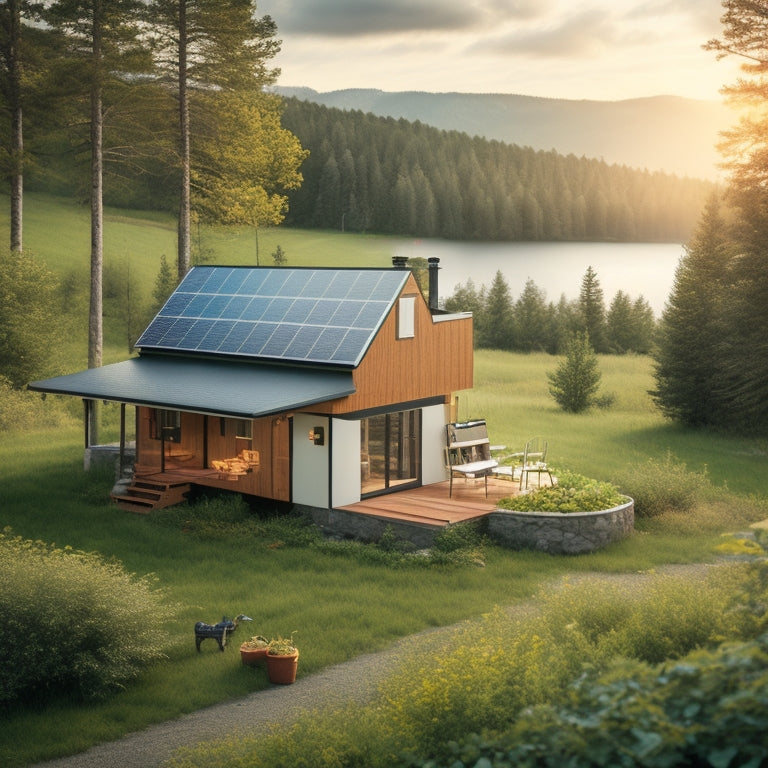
(244, 390)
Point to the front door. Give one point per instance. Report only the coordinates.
(390, 452)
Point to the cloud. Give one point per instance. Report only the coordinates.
(582, 35)
(355, 18)
(697, 17)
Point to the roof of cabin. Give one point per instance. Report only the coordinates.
(248, 341)
(243, 390)
(316, 316)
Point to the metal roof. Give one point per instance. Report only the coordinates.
(318, 316)
(239, 389)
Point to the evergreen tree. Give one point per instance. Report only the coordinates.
(592, 310)
(494, 324)
(530, 319)
(165, 284)
(643, 326)
(688, 358)
(619, 325)
(575, 382)
(744, 352)
(206, 47)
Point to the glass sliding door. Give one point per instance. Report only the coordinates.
(390, 452)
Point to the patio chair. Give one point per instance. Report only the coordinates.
(534, 461)
(467, 453)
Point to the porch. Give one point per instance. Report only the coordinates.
(431, 505)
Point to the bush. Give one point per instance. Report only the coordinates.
(711, 709)
(23, 410)
(572, 493)
(29, 310)
(575, 382)
(72, 622)
(666, 485)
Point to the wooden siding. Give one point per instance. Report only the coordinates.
(436, 362)
(271, 438)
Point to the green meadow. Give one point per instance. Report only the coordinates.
(342, 601)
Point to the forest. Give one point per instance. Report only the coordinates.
(375, 174)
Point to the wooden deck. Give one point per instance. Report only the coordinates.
(430, 504)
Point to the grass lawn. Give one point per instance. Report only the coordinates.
(342, 606)
(339, 604)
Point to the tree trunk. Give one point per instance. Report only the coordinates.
(184, 235)
(17, 141)
(95, 323)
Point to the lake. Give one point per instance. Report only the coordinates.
(638, 269)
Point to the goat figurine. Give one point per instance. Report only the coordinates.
(219, 632)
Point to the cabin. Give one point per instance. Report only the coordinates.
(314, 386)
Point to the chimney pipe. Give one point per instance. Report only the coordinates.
(400, 262)
(434, 296)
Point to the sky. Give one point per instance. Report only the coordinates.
(566, 49)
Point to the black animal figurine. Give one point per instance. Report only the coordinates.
(219, 632)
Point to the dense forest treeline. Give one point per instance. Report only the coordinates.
(529, 323)
(376, 174)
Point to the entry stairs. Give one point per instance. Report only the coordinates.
(143, 495)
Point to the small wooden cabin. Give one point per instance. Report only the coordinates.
(314, 386)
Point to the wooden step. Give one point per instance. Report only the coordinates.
(144, 496)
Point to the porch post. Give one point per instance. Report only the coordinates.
(87, 421)
(122, 439)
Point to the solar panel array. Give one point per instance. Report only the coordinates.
(299, 315)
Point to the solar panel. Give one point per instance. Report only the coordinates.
(294, 315)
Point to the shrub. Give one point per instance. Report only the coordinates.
(665, 485)
(666, 620)
(21, 410)
(575, 382)
(572, 493)
(72, 622)
(710, 709)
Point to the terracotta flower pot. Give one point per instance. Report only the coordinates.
(282, 669)
(251, 656)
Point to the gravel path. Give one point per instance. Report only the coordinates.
(353, 681)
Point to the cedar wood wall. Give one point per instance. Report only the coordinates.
(436, 362)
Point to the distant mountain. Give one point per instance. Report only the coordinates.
(659, 133)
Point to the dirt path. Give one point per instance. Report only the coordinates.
(354, 681)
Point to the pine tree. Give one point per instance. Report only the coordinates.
(530, 319)
(592, 310)
(495, 320)
(575, 382)
(688, 358)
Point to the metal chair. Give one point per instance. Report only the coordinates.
(534, 461)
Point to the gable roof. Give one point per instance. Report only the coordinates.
(317, 316)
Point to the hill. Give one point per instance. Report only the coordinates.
(666, 133)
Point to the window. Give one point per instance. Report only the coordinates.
(406, 313)
(244, 429)
(167, 425)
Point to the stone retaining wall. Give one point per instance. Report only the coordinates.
(353, 525)
(573, 533)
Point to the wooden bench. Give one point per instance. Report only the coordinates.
(468, 452)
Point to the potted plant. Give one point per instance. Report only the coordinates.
(282, 660)
(254, 650)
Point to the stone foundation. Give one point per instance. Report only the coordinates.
(574, 533)
(353, 525)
